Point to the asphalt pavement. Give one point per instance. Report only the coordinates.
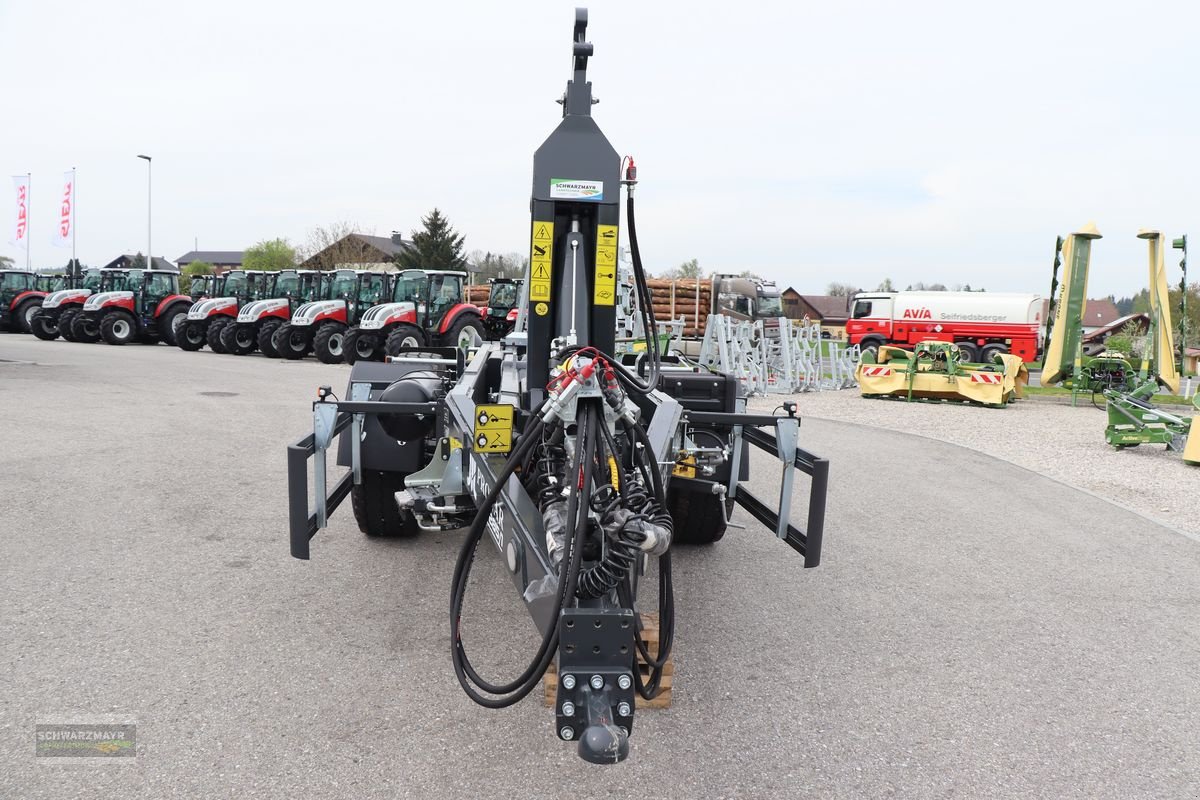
(975, 630)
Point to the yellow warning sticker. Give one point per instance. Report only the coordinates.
(493, 428)
(605, 293)
(541, 265)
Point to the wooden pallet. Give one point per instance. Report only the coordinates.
(649, 636)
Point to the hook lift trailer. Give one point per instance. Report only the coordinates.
(580, 467)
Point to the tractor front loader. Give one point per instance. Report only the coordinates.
(150, 309)
(427, 307)
(256, 322)
(585, 472)
(207, 318)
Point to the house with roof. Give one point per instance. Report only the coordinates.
(1099, 314)
(829, 310)
(359, 251)
(222, 260)
(126, 261)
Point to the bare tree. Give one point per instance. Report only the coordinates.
(842, 290)
(483, 266)
(332, 245)
(886, 286)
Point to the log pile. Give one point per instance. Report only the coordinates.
(690, 298)
(477, 294)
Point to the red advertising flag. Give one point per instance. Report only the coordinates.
(65, 224)
(21, 228)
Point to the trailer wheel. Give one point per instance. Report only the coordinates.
(214, 333)
(699, 516)
(266, 334)
(45, 327)
(967, 353)
(990, 352)
(118, 328)
(360, 346)
(65, 318)
(403, 335)
(191, 336)
(375, 508)
(238, 340)
(327, 343)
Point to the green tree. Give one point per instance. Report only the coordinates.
(190, 271)
(138, 262)
(437, 246)
(886, 286)
(269, 255)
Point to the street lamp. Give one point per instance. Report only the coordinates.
(149, 196)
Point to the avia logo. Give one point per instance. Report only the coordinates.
(917, 313)
(64, 227)
(22, 213)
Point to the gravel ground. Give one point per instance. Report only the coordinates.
(1048, 436)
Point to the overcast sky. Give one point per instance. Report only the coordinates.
(810, 142)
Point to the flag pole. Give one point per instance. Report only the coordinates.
(74, 218)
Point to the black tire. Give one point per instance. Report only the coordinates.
(401, 336)
(292, 343)
(171, 322)
(192, 336)
(65, 318)
(360, 346)
(213, 335)
(117, 327)
(870, 346)
(967, 353)
(328, 341)
(45, 327)
(699, 516)
(25, 314)
(466, 322)
(265, 334)
(85, 330)
(990, 351)
(375, 508)
(238, 339)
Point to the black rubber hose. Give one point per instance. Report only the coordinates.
(515, 690)
(644, 300)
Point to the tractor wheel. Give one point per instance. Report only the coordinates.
(265, 335)
(45, 327)
(192, 336)
(463, 332)
(171, 324)
(213, 336)
(991, 351)
(360, 346)
(26, 313)
(292, 343)
(967, 353)
(118, 328)
(65, 318)
(84, 329)
(403, 335)
(327, 343)
(238, 340)
(699, 516)
(375, 508)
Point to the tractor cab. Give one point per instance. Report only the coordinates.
(500, 315)
(19, 299)
(203, 286)
(47, 282)
(246, 286)
(149, 309)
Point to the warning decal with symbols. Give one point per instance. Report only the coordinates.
(541, 265)
(605, 293)
(493, 428)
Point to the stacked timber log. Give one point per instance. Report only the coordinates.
(690, 298)
(477, 294)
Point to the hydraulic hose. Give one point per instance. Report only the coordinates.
(513, 691)
(644, 300)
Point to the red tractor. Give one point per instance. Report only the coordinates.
(149, 309)
(19, 300)
(321, 325)
(426, 308)
(54, 317)
(256, 323)
(207, 318)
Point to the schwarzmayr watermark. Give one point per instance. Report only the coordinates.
(86, 740)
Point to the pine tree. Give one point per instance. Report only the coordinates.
(438, 246)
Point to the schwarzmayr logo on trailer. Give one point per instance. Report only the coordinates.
(568, 189)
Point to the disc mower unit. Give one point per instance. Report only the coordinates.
(583, 471)
(1133, 420)
(207, 318)
(425, 307)
(149, 309)
(932, 371)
